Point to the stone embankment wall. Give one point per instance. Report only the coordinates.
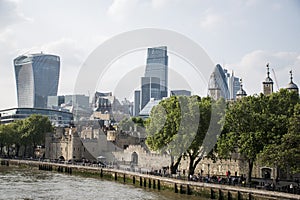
(208, 190)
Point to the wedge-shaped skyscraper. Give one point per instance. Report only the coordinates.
(37, 77)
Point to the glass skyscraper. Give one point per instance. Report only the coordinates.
(37, 77)
(155, 81)
(157, 66)
(137, 102)
(150, 89)
(233, 84)
(217, 85)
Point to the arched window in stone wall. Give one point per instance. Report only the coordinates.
(134, 158)
(266, 172)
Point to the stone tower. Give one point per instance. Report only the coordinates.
(292, 86)
(268, 83)
(241, 93)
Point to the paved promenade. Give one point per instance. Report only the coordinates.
(162, 180)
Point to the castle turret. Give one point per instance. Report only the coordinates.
(292, 86)
(268, 83)
(241, 93)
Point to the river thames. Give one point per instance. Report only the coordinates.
(17, 183)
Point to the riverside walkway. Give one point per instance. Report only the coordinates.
(209, 190)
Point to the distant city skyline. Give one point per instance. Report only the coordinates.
(240, 35)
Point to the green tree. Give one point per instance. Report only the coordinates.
(180, 125)
(138, 121)
(19, 141)
(128, 124)
(255, 123)
(162, 127)
(8, 137)
(33, 131)
(242, 131)
(2, 139)
(290, 143)
(286, 153)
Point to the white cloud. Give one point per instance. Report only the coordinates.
(121, 9)
(158, 4)
(72, 56)
(68, 49)
(211, 20)
(10, 14)
(276, 6)
(252, 68)
(7, 40)
(251, 2)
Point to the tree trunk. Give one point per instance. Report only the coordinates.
(197, 162)
(25, 149)
(250, 164)
(194, 161)
(33, 150)
(174, 166)
(17, 150)
(1, 150)
(191, 166)
(7, 150)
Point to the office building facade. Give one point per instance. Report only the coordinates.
(137, 102)
(37, 77)
(77, 100)
(57, 118)
(55, 101)
(157, 66)
(154, 84)
(150, 90)
(233, 84)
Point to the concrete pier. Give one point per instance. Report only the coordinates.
(207, 190)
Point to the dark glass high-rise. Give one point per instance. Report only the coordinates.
(157, 66)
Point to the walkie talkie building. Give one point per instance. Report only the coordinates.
(37, 77)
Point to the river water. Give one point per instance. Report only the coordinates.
(17, 183)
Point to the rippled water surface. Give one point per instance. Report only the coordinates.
(16, 183)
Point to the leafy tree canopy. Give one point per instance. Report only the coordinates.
(180, 125)
(256, 123)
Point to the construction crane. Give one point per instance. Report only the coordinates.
(276, 82)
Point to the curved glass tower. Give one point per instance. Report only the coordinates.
(217, 85)
(37, 77)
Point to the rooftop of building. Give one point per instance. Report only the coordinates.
(27, 57)
(291, 85)
(147, 109)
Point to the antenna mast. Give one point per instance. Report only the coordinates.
(275, 79)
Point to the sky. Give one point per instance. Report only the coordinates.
(243, 36)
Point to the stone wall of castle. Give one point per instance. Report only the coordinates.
(154, 161)
(146, 160)
(63, 143)
(67, 143)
